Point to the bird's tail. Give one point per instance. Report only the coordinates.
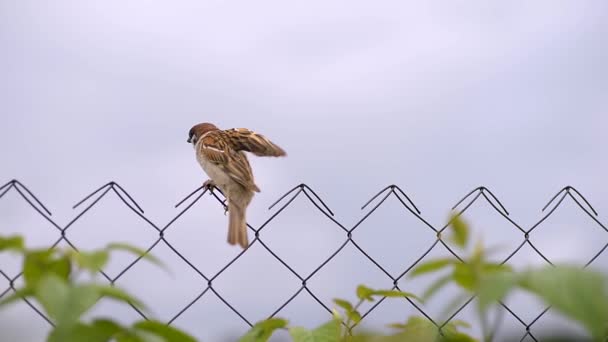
(237, 225)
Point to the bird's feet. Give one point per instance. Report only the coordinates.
(209, 185)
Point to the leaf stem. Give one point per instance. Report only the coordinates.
(348, 329)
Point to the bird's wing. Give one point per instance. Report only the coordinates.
(243, 139)
(215, 148)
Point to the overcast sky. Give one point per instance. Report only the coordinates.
(436, 97)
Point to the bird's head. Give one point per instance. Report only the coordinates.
(199, 130)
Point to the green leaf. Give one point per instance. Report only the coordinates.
(119, 295)
(328, 332)
(91, 261)
(371, 337)
(136, 335)
(452, 334)
(464, 276)
(479, 254)
(335, 314)
(421, 329)
(579, 294)
(166, 332)
(38, 263)
(461, 231)
(418, 329)
(365, 293)
(107, 326)
(395, 294)
(52, 292)
(456, 336)
(299, 334)
(61, 267)
(98, 331)
(399, 326)
(136, 251)
(354, 316)
(261, 331)
(436, 286)
(17, 295)
(494, 287)
(494, 268)
(34, 264)
(344, 304)
(81, 298)
(430, 266)
(14, 243)
(459, 323)
(63, 302)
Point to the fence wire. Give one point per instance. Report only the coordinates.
(376, 201)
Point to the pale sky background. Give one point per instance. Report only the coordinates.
(438, 97)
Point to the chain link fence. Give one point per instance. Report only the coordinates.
(89, 202)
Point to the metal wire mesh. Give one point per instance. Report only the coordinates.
(282, 203)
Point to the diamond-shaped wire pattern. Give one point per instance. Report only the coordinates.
(282, 203)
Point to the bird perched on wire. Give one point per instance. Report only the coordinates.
(221, 154)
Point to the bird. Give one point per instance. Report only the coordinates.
(221, 154)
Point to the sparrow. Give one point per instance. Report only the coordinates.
(221, 154)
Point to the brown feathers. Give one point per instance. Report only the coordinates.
(222, 156)
(246, 140)
(216, 149)
(199, 130)
(237, 223)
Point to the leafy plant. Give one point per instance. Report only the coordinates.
(49, 276)
(577, 293)
(339, 328)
